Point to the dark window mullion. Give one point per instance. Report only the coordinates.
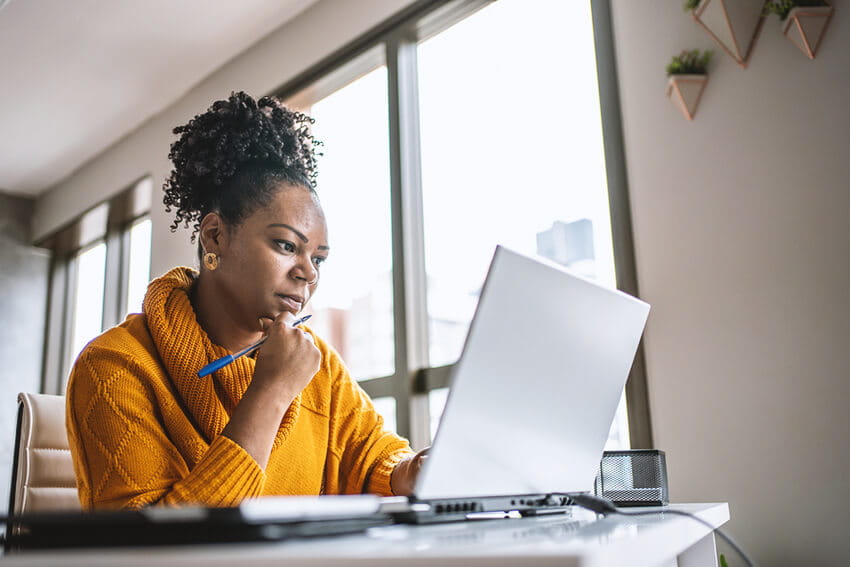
(637, 398)
(433, 378)
(56, 345)
(384, 387)
(411, 317)
(114, 277)
(124, 290)
(72, 269)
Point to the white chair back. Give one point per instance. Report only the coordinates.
(42, 472)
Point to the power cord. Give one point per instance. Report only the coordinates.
(605, 507)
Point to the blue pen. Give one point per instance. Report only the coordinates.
(225, 360)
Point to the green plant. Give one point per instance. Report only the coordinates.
(690, 5)
(723, 561)
(693, 62)
(782, 7)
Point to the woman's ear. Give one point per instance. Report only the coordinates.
(212, 233)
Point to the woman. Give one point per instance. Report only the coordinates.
(145, 429)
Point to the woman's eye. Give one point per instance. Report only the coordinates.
(286, 245)
(319, 261)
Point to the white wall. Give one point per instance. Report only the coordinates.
(743, 249)
(316, 33)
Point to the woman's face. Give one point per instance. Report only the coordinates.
(270, 263)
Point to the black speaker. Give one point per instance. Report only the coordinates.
(636, 477)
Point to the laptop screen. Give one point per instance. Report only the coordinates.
(534, 393)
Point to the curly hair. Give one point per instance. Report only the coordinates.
(232, 158)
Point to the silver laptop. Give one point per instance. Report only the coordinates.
(534, 393)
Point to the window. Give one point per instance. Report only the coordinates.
(386, 407)
(99, 273)
(353, 305)
(457, 126)
(511, 154)
(86, 310)
(138, 264)
(436, 404)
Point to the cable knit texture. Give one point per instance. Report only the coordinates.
(144, 429)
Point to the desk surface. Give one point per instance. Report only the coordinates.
(579, 540)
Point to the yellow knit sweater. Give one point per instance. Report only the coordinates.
(144, 429)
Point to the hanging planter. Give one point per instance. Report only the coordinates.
(733, 24)
(687, 76)
(804, 22)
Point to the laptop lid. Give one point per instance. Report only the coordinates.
(536, 388)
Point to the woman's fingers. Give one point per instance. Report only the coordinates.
(289, 356)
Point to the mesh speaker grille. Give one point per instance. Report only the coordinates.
(633, 478)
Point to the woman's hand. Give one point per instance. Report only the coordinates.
(287, 362)
(288, 359)
(403, 477)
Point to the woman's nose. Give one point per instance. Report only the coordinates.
(305, 270)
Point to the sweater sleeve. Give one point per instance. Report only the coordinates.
(123, 456)
(367, 452)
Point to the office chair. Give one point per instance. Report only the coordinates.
(42, 471)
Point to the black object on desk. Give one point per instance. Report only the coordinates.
(170, 526)
(636, 477)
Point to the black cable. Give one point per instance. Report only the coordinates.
(605, 507)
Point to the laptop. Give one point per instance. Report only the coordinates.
(533, 395)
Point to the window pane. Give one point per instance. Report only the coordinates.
(436, 404)
(511, 153)
(386, 407)
(353, 305)
(618, 435)
(87, 315)
(139, 265)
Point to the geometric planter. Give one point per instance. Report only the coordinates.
(733, 24)
(685, 92)
(805, 27)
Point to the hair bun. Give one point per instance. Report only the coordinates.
(231, 135)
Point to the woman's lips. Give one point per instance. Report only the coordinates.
(293, 302)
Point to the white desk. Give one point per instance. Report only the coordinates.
(581, 540)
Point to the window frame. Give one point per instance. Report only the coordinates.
(398, 38)
(413, 378)
(107, 222)
(637, 393)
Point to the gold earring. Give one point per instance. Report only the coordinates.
(211, 261)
